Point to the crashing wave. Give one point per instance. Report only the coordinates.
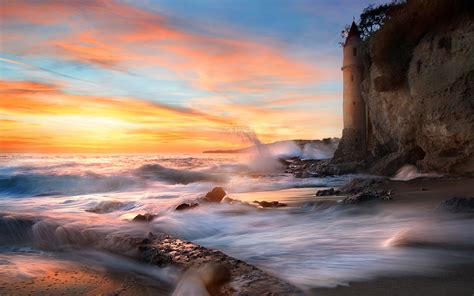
(52, 184)
(173, 176)
(109, 206)
(410, 172)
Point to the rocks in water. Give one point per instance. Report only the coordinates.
(458, 205)
(366, 196)
(144, 218)
(270, 204)
(327, 192)
(360, 185)
(186, 206)
(362, 190)
(215, 195)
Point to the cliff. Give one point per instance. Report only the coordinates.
(418, 85)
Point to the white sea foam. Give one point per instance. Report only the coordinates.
(309, 245)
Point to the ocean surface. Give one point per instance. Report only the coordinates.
(76, 198)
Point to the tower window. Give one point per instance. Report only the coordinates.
(354, 51)
(354, 103)
(352, 77)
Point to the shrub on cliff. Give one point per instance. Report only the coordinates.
(372, 19)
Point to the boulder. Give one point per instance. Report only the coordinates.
(327, 192)
(366, 196)
(215, 195)
(186, 206)
(144, 218)
(270, 204)
(458, 205)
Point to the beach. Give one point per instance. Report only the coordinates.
(71, 229)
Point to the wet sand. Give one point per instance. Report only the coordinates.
(423, 194)
(41, 276)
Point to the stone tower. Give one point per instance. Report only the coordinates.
(354, 109)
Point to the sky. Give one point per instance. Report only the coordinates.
(170, 75)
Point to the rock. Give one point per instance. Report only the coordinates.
(418, 86)
(186, 206)
(458, 205)
(366, 196)
(144, 218)
(361, 185)
(270, 204)
(327, 192)
(361, 190)
(215, 195)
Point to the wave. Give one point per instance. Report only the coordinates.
(410, 172)
(52, 184)
(174, 176)
(109, 206)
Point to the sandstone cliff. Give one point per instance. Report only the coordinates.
(418, 85)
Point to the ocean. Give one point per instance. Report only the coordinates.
(72, 199)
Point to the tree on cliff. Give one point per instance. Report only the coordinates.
(372, 18)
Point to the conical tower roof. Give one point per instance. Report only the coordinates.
(354, 30)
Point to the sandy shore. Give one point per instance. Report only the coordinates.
(163, 250)
(424, 194)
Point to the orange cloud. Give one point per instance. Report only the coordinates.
(40, 117)
(126, 37)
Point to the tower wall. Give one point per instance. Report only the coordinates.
(354, 109)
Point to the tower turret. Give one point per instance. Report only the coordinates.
(354, 110)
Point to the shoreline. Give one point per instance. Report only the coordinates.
(159, 249)
(421, 194)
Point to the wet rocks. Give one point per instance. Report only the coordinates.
(186, 206)
(215, 195)
(458, 205)
(327, 192)
(144, 218)
(365, 197)
(270, 204)
(363, 190)
(360, 185)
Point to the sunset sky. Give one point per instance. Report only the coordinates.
(169, 76)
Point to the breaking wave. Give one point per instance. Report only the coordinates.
(410, 172)
(52, 184)
(174, 176)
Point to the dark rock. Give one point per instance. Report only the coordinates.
(458, 205)
(155, 256)
(361, 190)
(186, 206)
(270, 204)
(144, 217)
(215, 195)
(361, 185)
(327, 192)
(366, 196)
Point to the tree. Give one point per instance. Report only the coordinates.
(372, 18)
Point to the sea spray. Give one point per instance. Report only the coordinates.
(263, 160)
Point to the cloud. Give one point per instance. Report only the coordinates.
(42, 117)
(117, 36)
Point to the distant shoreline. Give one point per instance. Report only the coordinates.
(298, 142)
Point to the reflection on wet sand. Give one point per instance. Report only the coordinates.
(39, 274)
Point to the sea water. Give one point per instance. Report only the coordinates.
(77, 198)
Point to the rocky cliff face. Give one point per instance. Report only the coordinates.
(428, 119)
(418, 85)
